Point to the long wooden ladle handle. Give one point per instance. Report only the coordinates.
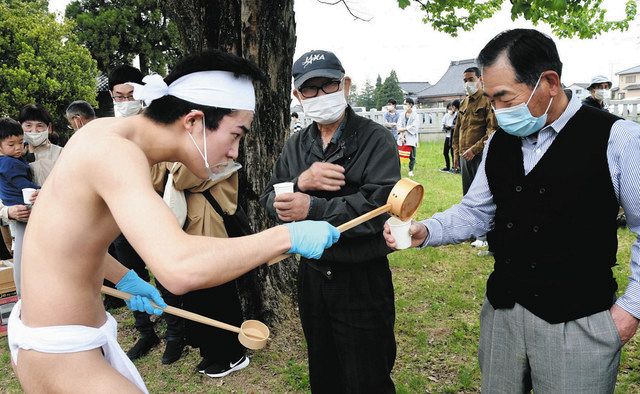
(346, 226)
(176, 311)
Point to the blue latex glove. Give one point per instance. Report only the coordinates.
(141, 294)
(309, 238)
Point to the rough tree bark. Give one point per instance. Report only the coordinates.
(262, 31)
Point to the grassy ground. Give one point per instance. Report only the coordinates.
(438, 297)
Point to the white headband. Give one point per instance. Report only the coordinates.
(220, 89)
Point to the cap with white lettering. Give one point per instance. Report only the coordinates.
(315, 64)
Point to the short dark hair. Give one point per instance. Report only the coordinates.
(123, 74)
(35, 112)
(169, 108)
(409, 100)
(529, 52)
(294, 115)
(81, 108)
(9, 128)
(456, 103)
(391, 101)
(474, 70)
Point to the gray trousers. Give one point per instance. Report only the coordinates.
(17, 230)
(520, 351)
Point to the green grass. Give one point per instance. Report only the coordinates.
(439, 293)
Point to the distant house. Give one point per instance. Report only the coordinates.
(628, 84)
(449, 87)
(413, 89)
(579, 90)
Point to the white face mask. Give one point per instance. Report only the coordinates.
(602, 94)
(36, 139)
(471, 88)
(325, 109)
(124, 109)
(221, 170)
(450, 112)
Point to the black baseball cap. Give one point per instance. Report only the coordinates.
(316, 64)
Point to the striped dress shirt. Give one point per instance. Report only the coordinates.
(473, 216)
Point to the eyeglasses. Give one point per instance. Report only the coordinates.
(119, 99)
(309, 91)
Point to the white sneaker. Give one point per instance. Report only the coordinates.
(410, 173)
(479, 244)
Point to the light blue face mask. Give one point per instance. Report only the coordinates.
(518, 121)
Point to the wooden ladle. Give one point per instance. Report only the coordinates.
(403, 201)
(252, 334)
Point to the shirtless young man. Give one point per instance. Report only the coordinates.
(60, 336)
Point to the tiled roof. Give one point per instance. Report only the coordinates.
(414, 88)
(632, 70)
(451, 82)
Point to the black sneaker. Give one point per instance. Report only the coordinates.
(203, 364)
(142, 347)
(218, 370)
(445, 169)
(173, 351)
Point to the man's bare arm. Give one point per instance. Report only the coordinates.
(180, 261)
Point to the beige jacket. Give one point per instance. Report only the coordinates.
(202, 219)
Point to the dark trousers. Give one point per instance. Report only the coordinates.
(348, 317)
(220, 303)
(469, 169)
(412, 158)
(447, 150)
(175, 324)
(127, 256)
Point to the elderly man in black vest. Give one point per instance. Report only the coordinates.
(554, 171)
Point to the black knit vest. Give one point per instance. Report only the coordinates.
(554, 238)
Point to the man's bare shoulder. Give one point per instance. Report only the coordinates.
(106, 149)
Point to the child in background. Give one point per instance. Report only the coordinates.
(15, 175)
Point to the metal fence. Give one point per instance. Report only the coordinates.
(431, 118)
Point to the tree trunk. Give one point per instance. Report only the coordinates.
(262, 31)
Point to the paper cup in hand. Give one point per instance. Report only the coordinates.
(400, 232)
(26, 195)
(284, 187)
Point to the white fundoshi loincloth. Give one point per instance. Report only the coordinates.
(71, 339)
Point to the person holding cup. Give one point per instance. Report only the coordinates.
(336, 169)
(16, 183)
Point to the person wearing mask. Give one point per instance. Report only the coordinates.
(124, 104)
(36, 123)
(342, 166)
(408, 125)
(600, 90)
(390, 118)
(212, 211)
(199, 114)
(551, 320)
(296, 125)
(79, 113)
(475, 123)
(448, 122)
(15, 175)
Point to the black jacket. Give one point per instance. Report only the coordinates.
(369, 155)
(591, 102)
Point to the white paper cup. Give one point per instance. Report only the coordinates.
(26, 194)
(400, 232)
(284, 187)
